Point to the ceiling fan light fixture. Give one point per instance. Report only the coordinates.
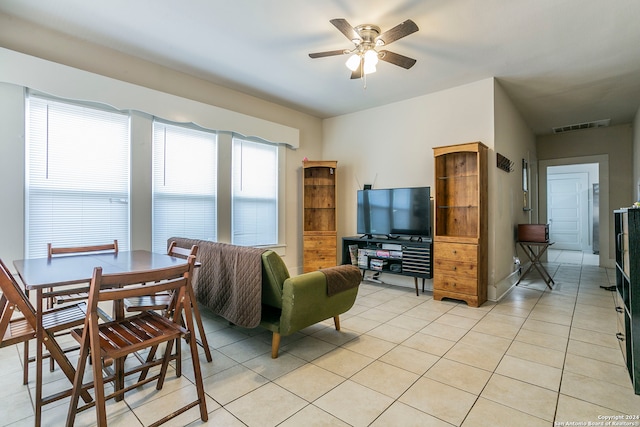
(367, 38)
(371, 57)
(353, 62)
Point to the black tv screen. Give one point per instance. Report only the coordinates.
(395, 212)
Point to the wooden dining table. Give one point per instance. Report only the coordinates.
(42, 274)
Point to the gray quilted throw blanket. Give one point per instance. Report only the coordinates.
(229, 280)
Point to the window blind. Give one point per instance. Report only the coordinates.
(184, 184)
(77, 176)
(254, 204)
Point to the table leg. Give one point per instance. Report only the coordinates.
(118, 314)
(543, 271)
(534, 257)
(39, 357)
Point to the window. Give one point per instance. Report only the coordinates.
(254, 204)
(77, 175)
(184, 184)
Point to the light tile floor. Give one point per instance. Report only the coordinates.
(538, 357)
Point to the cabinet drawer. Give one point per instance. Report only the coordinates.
(319, 242)
(455, 251)
(324, 253)
(462, 269)
(458, 284)
(317, 260)
(321, 253)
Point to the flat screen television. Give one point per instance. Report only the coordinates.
(395, 212)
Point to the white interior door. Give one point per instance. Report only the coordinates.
(567, 210)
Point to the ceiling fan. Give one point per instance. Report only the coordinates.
(367, 39)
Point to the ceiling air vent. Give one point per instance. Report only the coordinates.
(587, 125)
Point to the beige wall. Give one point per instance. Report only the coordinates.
(391, 146)
(11, 173)
(612, 148)
(24, 37)
(514, 140)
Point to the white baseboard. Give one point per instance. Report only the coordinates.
(500, 289)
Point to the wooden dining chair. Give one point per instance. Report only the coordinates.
(162, 303)
(17, 329)
(109, 343)
(63, 296)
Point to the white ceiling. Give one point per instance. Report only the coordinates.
(561, 61)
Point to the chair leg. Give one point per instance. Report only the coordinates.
(336, 321)
(196, 313)
(165, 364)
(178, 357)
(77, 383)
(25, 363)
(275, 345)
(197, 373)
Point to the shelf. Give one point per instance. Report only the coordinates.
(414, 258)
(460, 238)
(473, 176)
(627, 298)
(319, 222)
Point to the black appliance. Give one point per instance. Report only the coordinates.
(394, 212)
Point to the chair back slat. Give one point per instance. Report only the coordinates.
(139, 289)
(12, 292)
(13, 298)
(51, 250)
(177, 251)
(118, 286)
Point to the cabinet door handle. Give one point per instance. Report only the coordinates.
(454, 252)
(620, 336)
(455, 268)
(619, 310)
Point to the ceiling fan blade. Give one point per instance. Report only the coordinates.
(328, 53)
(398, 32)
(345, 28)
(396, 59)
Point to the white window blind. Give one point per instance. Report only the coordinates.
(184, 184)
(77, 176)
(254, 202)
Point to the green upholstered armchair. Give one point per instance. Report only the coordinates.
(290, 304)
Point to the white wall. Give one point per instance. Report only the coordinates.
(391, 146)
(11, 173)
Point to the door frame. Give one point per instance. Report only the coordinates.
(604, 209)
